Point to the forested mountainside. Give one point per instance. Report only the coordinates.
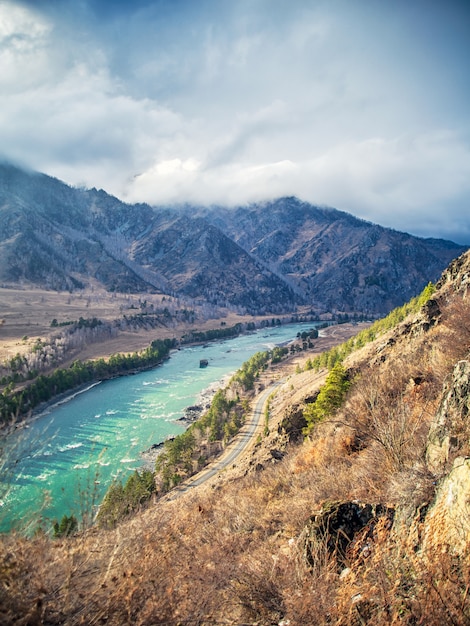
(351, 509)
(265, 258)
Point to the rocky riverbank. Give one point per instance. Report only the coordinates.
(191, 414)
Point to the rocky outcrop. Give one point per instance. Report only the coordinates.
(449, 434)
(293, 424)
(457, 275)
(447, 526)
(447, 523)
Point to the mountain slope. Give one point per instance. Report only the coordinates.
(334, 258)
(265, 258)
(57, 237)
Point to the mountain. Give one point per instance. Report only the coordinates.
(263, 258)
(333, 258)
(57, 237)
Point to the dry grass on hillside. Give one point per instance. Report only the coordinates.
(243, 553)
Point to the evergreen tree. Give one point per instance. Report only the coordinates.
(330, 397)
(68, 525)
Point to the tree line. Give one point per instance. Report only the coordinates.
(337, 354)
(226, 332)
(73, 335)
(333, 393)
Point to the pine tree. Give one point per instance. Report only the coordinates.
(330, 397)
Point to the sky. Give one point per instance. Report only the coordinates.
(362, 105)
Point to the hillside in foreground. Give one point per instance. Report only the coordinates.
(364, 520)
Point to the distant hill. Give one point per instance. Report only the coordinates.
(262, 258)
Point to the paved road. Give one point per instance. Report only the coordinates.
(234, 449)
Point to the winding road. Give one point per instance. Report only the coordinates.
(233, 451)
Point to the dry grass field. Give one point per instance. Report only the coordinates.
(26, 315)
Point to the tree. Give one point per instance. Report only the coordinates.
(120, 500)
(113, 507)
(330, 397)
(67, 526)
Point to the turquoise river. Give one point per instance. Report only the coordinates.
(63, 461)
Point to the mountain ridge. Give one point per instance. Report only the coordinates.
(269, 257)
(345, 274)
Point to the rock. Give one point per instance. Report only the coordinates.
(150, 455)
(345, 573)
(450, 430)
(457, 275)
(448, 521)
(428, 317)
(338, 524)
(191, 414)
(293, 424)
(156, 446)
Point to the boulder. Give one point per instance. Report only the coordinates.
(293, 424)
(338, 524)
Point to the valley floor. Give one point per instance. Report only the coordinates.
(242, 549)
(26, 316)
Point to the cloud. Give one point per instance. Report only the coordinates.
(23, 38)
(75, 121)
(363, 108)
(399, 183)
(368, 177)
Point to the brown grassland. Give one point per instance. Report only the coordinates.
(26, 315)
(242, 550)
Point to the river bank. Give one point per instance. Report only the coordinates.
(22, 401)
(328, 337)
(77, 450)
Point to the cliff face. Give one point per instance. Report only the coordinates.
(447, 524)
(449, 435)
(448, 455)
